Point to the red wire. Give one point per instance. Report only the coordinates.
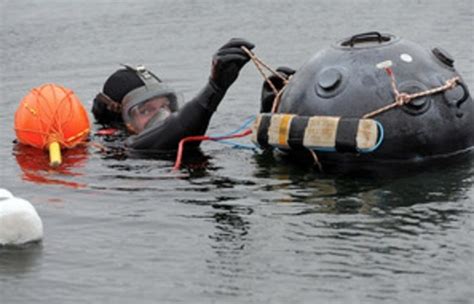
(179, 155)
(389, 71)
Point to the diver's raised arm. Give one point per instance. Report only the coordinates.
(193, 118)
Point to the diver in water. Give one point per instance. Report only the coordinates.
(153, 112)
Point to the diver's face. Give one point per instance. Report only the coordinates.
(142, 113)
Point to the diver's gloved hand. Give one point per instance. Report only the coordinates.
(227, 62)
(268, 96)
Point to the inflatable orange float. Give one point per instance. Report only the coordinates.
(51, 117)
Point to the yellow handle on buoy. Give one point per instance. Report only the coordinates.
(54, 154)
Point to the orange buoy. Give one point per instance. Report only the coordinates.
(51, 117)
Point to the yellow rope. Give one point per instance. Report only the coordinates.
(402, 99)
(259, 64)
(78, 135)
(277, 100)
(317, 162)
(278, 93)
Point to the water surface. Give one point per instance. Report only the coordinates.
(235, 226)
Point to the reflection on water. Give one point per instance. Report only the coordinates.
(375, 237)
(35, 165)
(231, 228)
(382, 187)
(21, 259)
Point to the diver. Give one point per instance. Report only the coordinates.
(153, 112)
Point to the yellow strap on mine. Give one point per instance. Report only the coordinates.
(279, 130)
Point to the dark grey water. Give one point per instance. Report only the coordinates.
(243, 227)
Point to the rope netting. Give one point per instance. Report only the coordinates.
(51, 116)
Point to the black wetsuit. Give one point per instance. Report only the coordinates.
(191, 120)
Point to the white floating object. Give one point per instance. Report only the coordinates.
(19, 221)
(384, 64)
(406, 57)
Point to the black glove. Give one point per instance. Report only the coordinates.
(268, 96)
(227, 62)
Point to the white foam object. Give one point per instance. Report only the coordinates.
(19, 221)
(384, 64)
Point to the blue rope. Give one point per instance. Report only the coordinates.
(244, 126)
(234, 144)
(379, 142)
(325, 149)
(237, 145)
